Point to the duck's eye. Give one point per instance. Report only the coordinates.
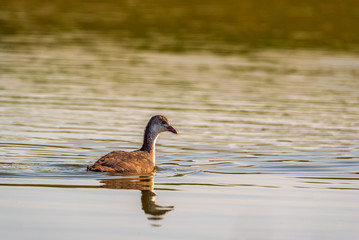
(163, 122)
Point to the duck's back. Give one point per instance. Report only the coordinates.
(126, 162)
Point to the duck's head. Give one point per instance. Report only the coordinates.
(160, 123)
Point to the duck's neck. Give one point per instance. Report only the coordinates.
(149, 140)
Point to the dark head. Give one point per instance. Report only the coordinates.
(155, 126)
(160, 124)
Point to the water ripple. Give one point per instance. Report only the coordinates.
(270, 115)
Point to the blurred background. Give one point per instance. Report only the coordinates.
(264, 95)
(219, 26)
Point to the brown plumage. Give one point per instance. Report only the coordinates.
(140, 161)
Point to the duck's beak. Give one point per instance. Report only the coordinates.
(171, 129)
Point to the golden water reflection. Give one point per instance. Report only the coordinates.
(145, 184)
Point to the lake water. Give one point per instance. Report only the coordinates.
(268, 144)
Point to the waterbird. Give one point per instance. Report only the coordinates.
(141, 161)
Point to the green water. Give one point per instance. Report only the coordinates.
(221, 26)
(264, 96)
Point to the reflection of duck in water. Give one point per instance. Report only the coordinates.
(145, 185)
(140, 161)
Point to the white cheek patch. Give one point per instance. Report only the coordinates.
(158, 128)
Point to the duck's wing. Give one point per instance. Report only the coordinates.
(120, 161)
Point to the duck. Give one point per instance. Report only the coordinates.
(141, 161)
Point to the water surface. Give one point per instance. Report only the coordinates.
(267, 147)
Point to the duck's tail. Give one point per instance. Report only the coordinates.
(90, 168)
